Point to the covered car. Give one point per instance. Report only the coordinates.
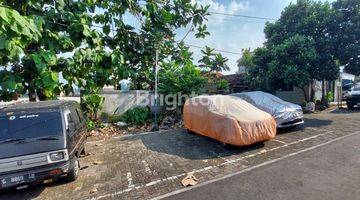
(285, 113)
(228, 120)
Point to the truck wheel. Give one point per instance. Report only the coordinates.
(74, 171)
(83, 152)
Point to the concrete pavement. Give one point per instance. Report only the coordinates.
(145, 166)
(330, 171)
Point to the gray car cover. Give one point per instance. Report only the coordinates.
(281, 110)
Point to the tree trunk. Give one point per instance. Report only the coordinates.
(323, 93)
(305, 93)
(41, 95)
(32, 94)
(312, 95)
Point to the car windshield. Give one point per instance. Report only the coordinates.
(30, 125)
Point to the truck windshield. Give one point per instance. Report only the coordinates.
(30, 125)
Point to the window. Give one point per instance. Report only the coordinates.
(81, 116)
(70, 123)
(75, 117)
(30, 125)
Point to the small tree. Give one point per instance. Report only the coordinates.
(212, 62)
(258, 76)
(246, 58)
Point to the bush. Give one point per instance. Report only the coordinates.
(137, 116)
(329, 96)
(222, 84)
(184, 80)
(91, 125)
(92, 104)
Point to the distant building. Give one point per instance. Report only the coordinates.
(242, 69)
(236, 82)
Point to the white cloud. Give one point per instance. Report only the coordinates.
(235, 7)
(232, 8)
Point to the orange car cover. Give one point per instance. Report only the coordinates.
(228, 119)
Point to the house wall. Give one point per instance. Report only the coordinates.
(296, 96)
(241, 69)
(118, 102)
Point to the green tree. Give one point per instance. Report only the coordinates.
(137, 45)
(297, 71)
(345, 35)
(246, 59)
(274, 70)
(174, 79)
(16, 33)
(35, 64)
(118, 51)
(212, 62)
(309, 19)
(100, 57)
(258, 76)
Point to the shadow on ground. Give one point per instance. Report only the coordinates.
(308, 123)
(32, 192)
(189, 146)
(197, 147)
(345, 111)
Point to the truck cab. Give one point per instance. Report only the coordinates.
(40, 141)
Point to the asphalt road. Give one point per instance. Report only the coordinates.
(331, 171)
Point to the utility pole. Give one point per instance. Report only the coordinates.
(155, 126)
(340, 96)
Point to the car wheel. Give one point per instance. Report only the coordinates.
(83, 152)
(350, 106)
(74, 171)
(225, 145)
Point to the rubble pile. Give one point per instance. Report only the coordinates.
(107, 131)
(171, 122)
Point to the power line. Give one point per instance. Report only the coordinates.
(245, 16)
(240, 21)
(218, 50)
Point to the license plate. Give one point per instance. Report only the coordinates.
(10, 181)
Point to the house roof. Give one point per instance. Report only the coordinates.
(236, 82)
(233, 78)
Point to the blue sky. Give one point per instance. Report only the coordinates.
(235, 33)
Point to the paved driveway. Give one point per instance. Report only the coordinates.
(149, 165)
(329, 171)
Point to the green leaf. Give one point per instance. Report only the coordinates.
(106, 29)
(6, 15)
(167, 16)
(49, 58)
(3, 41)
